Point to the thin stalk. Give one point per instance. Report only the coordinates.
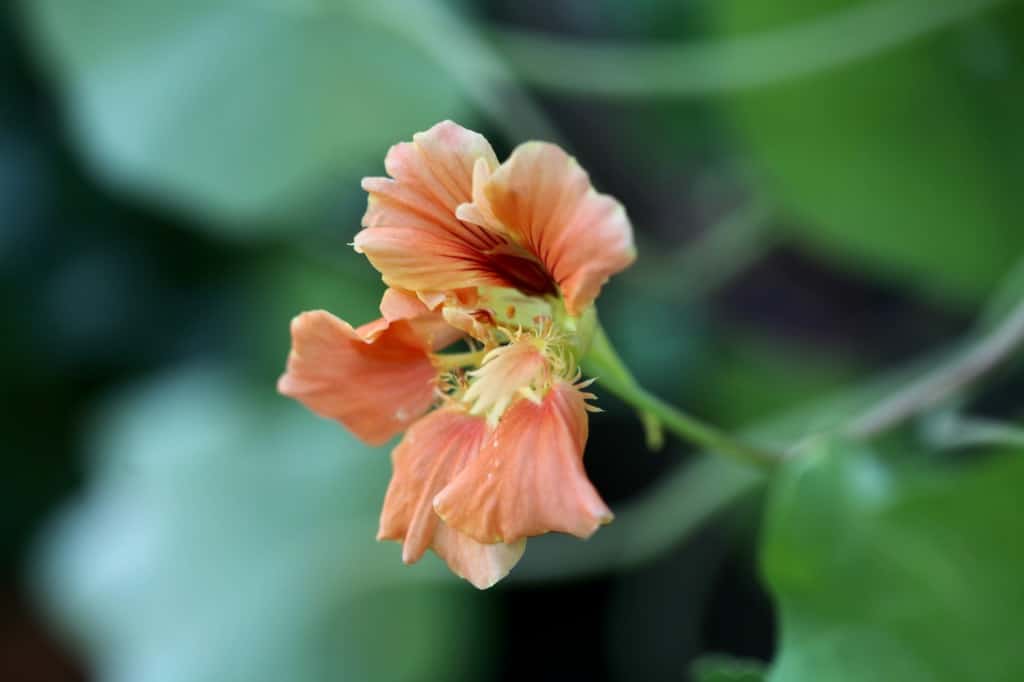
(694, 430)
(603, 362)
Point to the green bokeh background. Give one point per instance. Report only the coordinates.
(177, 180)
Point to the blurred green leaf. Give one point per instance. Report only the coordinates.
(716, 668)
(238, 110)
(653, 332)
(907, 165)
(285, 284)
(229, 535)
(885, 571)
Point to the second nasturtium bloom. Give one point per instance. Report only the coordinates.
(506, 259)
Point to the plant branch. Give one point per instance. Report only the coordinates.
(709, 261)
(990, 351)
(732, 64)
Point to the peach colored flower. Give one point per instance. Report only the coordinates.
(450, 217)
(528, 477)
(508, 257)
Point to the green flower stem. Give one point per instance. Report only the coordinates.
(603, 362)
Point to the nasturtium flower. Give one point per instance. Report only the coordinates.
(507, 260)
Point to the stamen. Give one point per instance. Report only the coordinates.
(531, 395)
(504, 373)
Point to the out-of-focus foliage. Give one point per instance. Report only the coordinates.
(278, 287)
(238, 110)
(227, 536)
(908, 164)
(887, 569)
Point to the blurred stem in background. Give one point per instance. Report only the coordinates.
(613, 69)
(988, 351)
(716, 256)
(617, 69)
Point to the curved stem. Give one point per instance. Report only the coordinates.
(980, 358)
(696, 431)
(603, 362)
(732, 64)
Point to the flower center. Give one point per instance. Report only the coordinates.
(524, 368)
(521, 270)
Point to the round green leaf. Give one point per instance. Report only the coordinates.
(887, 572)
(238, 110)
(228, 534)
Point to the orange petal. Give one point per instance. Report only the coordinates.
(432, 452)
(542, 199)
(482, 565)
(398, 304)
(411, 233)
(529, 477)
(375, 380)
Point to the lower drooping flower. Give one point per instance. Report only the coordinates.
(508, 258)
(528, 478)
(434, 452)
